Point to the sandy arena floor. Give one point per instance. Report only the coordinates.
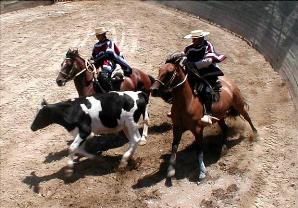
(33, 44)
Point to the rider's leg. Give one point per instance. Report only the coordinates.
(207, 105)
(121, 61)
(104, 78)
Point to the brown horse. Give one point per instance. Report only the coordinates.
(187, 109)
(83, 73)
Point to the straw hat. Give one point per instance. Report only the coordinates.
(99, 31)
(197, 34)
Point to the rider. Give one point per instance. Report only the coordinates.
(106, 55)
(203, 59)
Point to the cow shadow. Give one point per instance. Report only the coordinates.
(100, 166)
(99, 144)
(186, 161)
(94, 145)
(161, 128)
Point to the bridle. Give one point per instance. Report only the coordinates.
(168, 86)
(88, 67)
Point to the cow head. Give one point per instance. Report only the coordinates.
(42, 118)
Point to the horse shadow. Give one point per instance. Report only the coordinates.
(99, 144)
(186, 161)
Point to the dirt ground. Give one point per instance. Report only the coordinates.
(33, 44)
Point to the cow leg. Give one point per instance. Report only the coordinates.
(177, 133)
(145, 128)
(81, 150)
(75, 148)
(133, 134)
(199, 141)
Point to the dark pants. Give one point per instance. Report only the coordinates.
(208, 93)
(207, 101)
(105, 80)
(114, 57)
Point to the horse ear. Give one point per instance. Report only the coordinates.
(76, 51)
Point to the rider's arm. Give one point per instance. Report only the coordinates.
(117, 50)
(204, 63)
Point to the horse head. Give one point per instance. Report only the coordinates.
(68, 67)
(168, 77)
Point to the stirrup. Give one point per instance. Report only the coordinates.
(208, 119)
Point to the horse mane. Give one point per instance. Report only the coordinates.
(175, 57)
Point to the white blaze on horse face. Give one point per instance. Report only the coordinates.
(63, 64)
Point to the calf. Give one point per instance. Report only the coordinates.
(98, 114)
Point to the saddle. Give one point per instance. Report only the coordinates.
(204, 78)
(111, 83)
(118, 74)
(198, 90)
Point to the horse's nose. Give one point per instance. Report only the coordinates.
(155, 92)
(60, 82)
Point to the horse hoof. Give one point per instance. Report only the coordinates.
(168, 182)
(224, 150)
(256, 136)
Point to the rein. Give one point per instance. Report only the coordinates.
(88, 65)
(168, 85)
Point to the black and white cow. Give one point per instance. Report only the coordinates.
(98, 114)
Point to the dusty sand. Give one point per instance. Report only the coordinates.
(33, 44)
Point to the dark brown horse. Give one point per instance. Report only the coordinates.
(187, 109)
(83, 73)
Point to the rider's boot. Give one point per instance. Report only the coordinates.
(207, 118)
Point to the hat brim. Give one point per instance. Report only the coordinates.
(189, 36)
(94, 33)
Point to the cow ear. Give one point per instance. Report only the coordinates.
(44, 102)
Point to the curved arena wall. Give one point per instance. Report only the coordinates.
(270, 26)
(13, 5)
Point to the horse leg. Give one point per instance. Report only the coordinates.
(145, 128)
(177, 133)
(224, 128)
(199, 141)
